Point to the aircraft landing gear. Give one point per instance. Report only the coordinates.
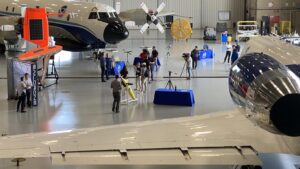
(2, 48)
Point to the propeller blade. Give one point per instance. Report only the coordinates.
(160, 27)
(161, 7)
(144, 28)
(145, 8)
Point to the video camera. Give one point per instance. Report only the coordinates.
(185, 55)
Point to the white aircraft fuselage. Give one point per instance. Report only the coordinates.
(75, 25)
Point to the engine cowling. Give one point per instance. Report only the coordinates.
(269, 92)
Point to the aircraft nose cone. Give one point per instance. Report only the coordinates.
(115, 33)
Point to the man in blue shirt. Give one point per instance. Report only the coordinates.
(235, 54)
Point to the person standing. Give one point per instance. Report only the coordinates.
(237, 46)
(108, 66)
(151, 67)
(195, 55)
(189, 65)
(116, 87)
(155, 56)
(144, 77)
(102, 65)
(28, 84)
(138, 76)
(21, 88)
(124, 72)
(144, 55)
(235, 54)
(228, 52)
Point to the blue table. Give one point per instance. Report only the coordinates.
(206, 54)
(224, 38)
(172, 97)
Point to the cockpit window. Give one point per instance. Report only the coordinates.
(103, 16)
(93, 15)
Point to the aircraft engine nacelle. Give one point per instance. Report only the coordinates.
(269, 92)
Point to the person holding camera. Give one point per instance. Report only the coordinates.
(189, 64)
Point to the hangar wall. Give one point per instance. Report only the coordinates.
(204, 12)
(288, 10)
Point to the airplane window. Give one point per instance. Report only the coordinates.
(113, 14)
(104, 16)
(93, 15)
(7, 8)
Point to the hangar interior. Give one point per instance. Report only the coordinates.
(81, 100)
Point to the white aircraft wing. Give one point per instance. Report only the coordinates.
(226, 138)
(162, 14)
(136, 15)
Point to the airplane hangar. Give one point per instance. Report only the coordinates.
(149, 83)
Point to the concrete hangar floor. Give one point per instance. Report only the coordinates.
(81, 100)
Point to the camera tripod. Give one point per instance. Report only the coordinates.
(183, 68)
(169, 83)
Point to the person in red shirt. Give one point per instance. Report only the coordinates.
(144, 55)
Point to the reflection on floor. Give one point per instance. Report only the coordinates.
(80, 100)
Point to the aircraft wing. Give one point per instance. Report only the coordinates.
(226, 138)
(9, 28)
(136, 15)
(162, 14)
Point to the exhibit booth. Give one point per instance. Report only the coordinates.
(15, 70)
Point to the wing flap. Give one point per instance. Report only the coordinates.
(170, 156)
(25, 153)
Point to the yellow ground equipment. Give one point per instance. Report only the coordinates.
(128, 88)
(285, 27)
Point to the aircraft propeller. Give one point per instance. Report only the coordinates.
(152, 17)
